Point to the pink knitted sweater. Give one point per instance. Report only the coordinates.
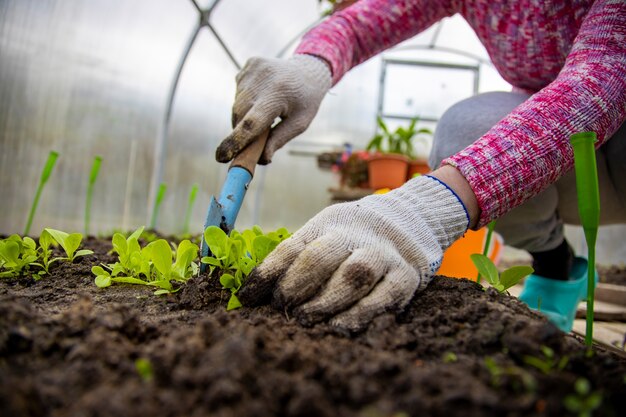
(570, 54)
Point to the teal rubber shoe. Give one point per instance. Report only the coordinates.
(556, 299)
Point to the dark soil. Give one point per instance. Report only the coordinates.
(68, 348)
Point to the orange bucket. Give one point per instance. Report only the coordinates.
(456, 259)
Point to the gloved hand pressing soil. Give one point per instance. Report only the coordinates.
(291, 89)
(354, 261)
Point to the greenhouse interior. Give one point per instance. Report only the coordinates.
(139, 275)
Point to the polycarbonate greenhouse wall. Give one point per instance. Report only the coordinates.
(93, 77)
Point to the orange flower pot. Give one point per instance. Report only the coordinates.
(417, 166)
(387, 170)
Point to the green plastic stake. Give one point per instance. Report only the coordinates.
(588, 209)
(95, 169)
(157, 205)
(190, 201)
(45, 174)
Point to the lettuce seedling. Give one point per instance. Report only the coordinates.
(17, 255)
(45, 175)
(583, 401)
(548, 363)
(105, 278)
(235, 256)
(69, 243)
(153, 262)
(497, 373)
(500, 282)
(132, 261)
(181, 270)
(46, 241)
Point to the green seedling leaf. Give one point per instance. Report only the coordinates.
(161, 255)
(69, 243)
(83, 252)
(218, 242)
(17, 255)
(162, 283)
(136, 234)
(103, 281)
(228, 281)
(500, 282)
(10, 253)
(515, 274)
(129, 280)
(211, 261)
(162, 292)
(486, 268)
(233, 303)
(246, 265)
(103, 277)
(45, 240)
(98, 270)
(449, 357)
(120, 245)
(263, 245)
(144, 369)
(185, 254)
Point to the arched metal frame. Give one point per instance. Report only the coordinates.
(204, 16)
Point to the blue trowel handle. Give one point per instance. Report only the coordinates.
(223, 211)
(238, 179)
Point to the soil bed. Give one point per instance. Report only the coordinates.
(70, 348)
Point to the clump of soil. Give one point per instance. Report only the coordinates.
(70, 348)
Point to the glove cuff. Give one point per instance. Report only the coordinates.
(317, 68)
(439, 206)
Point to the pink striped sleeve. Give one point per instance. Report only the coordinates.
(368, 27)
(529, 149)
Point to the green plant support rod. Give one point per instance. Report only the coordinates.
(190, 201)
(157, 205)
(490, 227)
(95, 169)
(588, 210)
(45, 174)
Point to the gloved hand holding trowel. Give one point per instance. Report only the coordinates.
(499, 156)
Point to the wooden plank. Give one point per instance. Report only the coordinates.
(603, 311)
(619, 327)
(611, 293)
(604, 335)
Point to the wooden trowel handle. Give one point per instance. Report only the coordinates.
(250, 155)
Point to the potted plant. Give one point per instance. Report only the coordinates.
(352, 168)
(388, 166)
(417, 164)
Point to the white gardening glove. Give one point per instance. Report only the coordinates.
(354, 261)
(291, 89)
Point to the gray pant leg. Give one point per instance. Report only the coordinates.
(536, 225)
(611, 161)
